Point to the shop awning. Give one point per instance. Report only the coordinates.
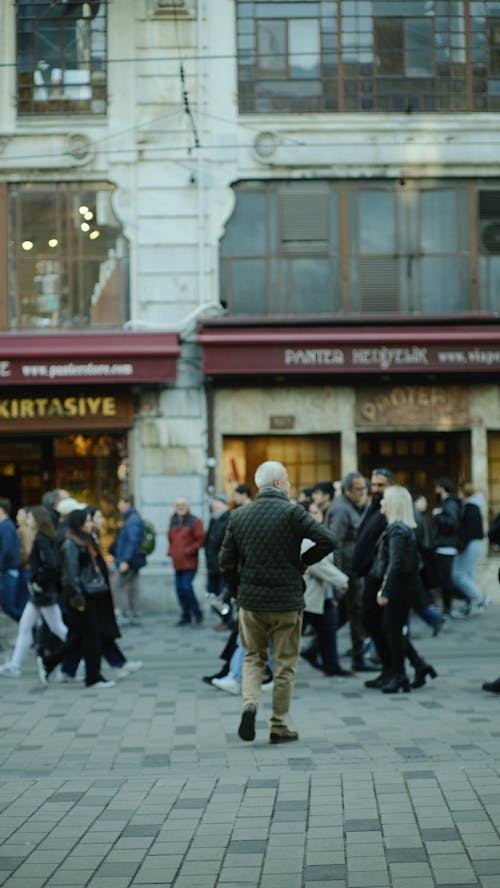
(90, 358)
(232, 350)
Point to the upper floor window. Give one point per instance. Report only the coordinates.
(375, 55)
(61, 56)
(339, 248)
(68, 258)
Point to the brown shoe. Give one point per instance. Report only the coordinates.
(285, 736)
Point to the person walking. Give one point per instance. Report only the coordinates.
(220, 515)
(261, 563)
(445, 535)
(470, 548)
(83, 571)
(10, 559)
(185, 536)
(344, 517)
(401, 587)
(45, 561)
(129, 559)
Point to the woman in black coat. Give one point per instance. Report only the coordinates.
(401, 587)
(45, 563)
(82, 564)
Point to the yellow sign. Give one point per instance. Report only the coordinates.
(71, 407)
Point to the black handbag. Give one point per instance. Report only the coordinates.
(93, 581)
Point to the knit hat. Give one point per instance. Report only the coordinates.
(76, 519)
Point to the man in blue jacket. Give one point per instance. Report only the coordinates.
(128, 557)
(10, 556)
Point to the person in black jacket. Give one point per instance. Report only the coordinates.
(369, 532)
(216, 587)
(401, 587)
(446, 539)
(83, 610)
(45, 565)
(470, 549)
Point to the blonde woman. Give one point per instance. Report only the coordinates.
(401, 587)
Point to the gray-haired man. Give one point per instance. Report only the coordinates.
(261, 563)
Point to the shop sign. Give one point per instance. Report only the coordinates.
(393, 358)
(413, 406)
(282, 422)
(46, 412)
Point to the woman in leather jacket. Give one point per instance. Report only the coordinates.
(401, 587)
(79, 551)
(45, 562)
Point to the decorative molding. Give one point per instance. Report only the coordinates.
(79, 146)
(173, 9)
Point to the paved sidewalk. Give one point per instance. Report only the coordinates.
(147, 783)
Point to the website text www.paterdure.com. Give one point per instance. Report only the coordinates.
(53, 371)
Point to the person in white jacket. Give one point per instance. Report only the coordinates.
(320, 609)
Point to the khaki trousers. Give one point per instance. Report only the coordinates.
(257, 629)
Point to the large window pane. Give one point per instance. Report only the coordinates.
(248, 287)
(389, 46)
(310, 286)
(304, 47)
(419, 49)
(68, 258)
(61, 56)
(377, 222)
(439, 222)
(271, 46)
(441, 285)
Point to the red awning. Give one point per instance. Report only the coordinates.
(256, 351)
(58, 358)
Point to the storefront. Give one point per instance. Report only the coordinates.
(422, 399)
(68, 408)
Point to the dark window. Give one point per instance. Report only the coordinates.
(68, 262)
(332, 248)
(368, 56)
(61, 52)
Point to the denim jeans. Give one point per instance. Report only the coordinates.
(186, 595)
(463, 572)
(9, 580)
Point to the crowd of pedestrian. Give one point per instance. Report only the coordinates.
(283, 576)
(55, 583)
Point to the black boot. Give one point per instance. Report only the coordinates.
(398, 682)
(422, 670)
(311, 656)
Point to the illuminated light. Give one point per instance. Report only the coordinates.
(53, 242)
(85, 226)
(94, 235)
(88, 216)
(82, 210)
(27, 245)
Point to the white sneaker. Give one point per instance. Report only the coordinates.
(10, 671)
(133, 665)
(119, 672)
(227, 683)
(102, 684)
(268, 685)
(42, 672)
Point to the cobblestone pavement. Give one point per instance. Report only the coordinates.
(147, 783)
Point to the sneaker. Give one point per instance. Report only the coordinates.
(42, 671)
(102, 684)
(228, 683)
(64, 677)
(492, 686)
(10, 671)
(479, 605)
(120, 672)
(246, 730)
(133, 665)
(268, 685)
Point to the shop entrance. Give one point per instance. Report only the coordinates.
(90, 467)
(308, 459)
(417, 459)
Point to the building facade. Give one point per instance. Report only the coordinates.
(236, 230)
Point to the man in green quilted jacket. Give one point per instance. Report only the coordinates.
(261, 563)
